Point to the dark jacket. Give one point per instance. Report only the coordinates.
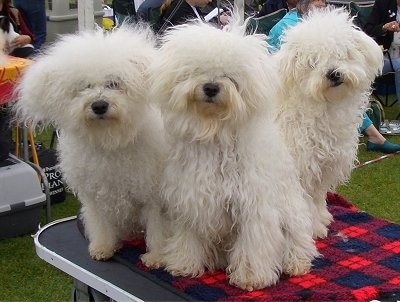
(145, 7)
(384, 11)
(124, 7)
(183, 13)
(271, 6)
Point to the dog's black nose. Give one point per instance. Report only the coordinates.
(99, 107)
(211, 89)
(335, 77)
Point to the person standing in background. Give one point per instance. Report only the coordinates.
(383, 26)
(34, 12)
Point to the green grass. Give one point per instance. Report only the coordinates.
(24, 276)
(374, 188)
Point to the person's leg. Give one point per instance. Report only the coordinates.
(366, 123)
(376, 141)
(39, 23)
(388, 68)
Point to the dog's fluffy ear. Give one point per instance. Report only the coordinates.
(289, 64)
(35, 94)
(371, 51)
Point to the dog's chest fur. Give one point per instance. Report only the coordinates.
(205, 185)
(323, 139)
(118, 182)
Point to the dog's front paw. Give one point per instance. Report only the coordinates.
(326, 217)
(185, 271)
(298, 267)
(152, 260)
(247, 280)
(319, 230)
(102, 251)
(297, 259)
(184, 267)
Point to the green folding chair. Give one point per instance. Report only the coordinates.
(361, 12)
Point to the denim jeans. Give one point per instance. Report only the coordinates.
(34, 12)
(396, 66)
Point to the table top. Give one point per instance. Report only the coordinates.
(61, 244)
(360, 262)
(9, 75)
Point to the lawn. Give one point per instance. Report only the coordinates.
(374, 188)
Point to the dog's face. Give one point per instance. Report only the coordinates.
(104, 109)
(327, 58)
(208, 96)
(207, 79)
(92, 85)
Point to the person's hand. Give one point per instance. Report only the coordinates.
(224, 19)
(20, 41)
(391, 26)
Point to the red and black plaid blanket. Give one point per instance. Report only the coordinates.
(361, 262)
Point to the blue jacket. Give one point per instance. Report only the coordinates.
(276, 32)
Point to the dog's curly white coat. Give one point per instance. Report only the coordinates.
(326, 66)
(92, 87)
(229, 183)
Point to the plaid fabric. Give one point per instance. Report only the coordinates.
(361, 262)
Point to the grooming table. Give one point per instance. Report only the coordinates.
(361, 262)
(61, 244)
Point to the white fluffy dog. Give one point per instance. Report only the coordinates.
(92, 86)
(230, 189)
(326, 66)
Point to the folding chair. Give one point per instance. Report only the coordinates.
(386, 81)
(360, 11)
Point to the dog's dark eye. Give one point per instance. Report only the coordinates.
(112, 85)
(82, 86)
(312, 64)
(233, 81)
